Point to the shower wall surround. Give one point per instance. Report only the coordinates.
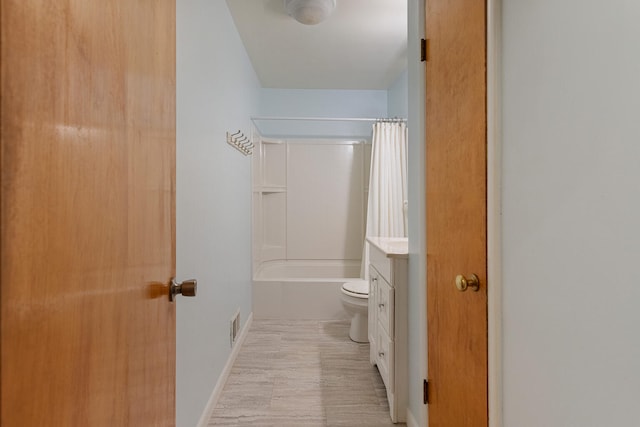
(309, 199)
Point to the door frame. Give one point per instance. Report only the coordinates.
(494, 217)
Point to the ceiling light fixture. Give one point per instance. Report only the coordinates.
(309, 12)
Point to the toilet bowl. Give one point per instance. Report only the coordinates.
(355, 300)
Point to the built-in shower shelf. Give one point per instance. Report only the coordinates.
(272, 189)
(272, 247)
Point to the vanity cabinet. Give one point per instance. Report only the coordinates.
(388, 319)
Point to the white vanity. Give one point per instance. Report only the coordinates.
(388, 281)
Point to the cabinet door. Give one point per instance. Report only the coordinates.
(385, 306)
(385, 357)
(373, 291)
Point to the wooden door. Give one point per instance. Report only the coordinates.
(456, 212)
(87, 210)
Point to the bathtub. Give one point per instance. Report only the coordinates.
(301, 290)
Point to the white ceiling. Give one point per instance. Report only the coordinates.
(362, 45)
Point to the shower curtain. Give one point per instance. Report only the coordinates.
(387, 203)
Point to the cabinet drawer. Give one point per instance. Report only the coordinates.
(385, 305)
(385, 359)
(380, 262)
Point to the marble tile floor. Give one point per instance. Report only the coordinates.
(302, 374)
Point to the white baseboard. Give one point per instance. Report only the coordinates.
(411, 421)
(217, 391)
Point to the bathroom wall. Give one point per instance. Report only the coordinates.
(325, 201)
(416, 214)
(398, 96)
(571, 213)
(320, 103)
(213, 204)
(309, 199)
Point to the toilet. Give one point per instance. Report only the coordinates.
(355, 300)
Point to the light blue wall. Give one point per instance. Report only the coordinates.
(213, 189)
(416, 214)
(397, 99)
(571, 213)
(321, 103)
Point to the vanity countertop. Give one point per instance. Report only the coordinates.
(393, 247)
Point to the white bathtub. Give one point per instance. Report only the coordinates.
(301, 290)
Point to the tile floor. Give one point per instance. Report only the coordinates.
(299, 374)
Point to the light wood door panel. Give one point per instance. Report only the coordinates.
(456, 211)
(87, 205)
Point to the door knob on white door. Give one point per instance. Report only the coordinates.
(462, 283)
(187, 288)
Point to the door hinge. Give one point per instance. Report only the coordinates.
(425, 392)
(424, 50)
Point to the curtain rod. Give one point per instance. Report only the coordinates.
(329, 119)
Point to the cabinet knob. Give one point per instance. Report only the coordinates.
(381, 305)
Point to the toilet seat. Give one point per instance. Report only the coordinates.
(356, 289)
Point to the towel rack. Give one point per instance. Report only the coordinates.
(240, 142)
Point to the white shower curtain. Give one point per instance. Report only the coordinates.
(387, 204)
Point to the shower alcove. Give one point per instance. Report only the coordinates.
(309, 209)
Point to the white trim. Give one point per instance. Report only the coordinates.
(411, 421)
(217, 390)
(494, 211)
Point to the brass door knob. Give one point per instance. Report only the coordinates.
(462, 283)
(187, 288)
